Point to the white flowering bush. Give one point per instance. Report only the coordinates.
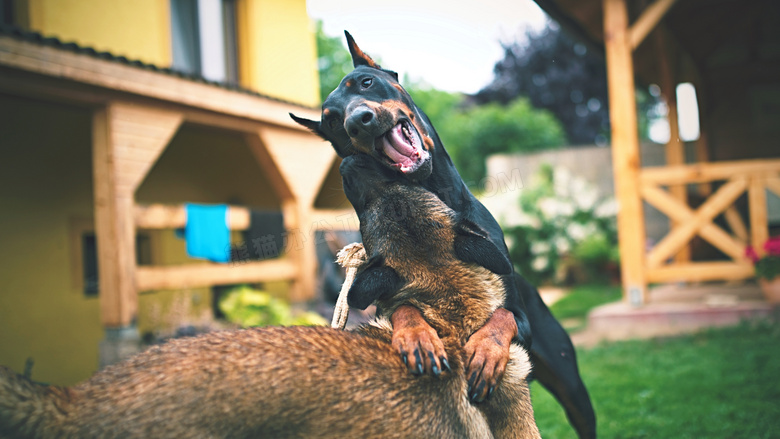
(561, 225)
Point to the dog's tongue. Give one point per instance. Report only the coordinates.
(397, 147)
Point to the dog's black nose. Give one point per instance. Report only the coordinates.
(361, 121)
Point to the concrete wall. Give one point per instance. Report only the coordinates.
(594, 164)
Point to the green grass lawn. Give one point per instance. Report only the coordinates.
(716, 384)
(572, 309)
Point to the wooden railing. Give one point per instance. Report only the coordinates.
(202, 274)
(752, 176)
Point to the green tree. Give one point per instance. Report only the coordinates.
(472, 133)
(333, 61)
(493, 128)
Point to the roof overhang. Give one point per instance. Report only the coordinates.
(29, 68)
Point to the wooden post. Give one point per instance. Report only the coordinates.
(625, 150)
(759, 230)
(114, 230)
(675, 149)
(295, 221)
(127, 140)
(296, 159)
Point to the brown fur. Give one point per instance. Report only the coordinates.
(303, 382)
(454, 297)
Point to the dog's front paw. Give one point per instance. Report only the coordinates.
(418, 343)
(487, 354)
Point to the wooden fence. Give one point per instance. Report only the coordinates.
(753, 177)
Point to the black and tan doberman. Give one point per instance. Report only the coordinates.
(370, 113)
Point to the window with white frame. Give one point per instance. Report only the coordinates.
(203, 38)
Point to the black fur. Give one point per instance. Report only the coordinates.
(375, 280)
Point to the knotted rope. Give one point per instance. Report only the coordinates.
(351, 257)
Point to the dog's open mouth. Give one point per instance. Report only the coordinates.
(402, 147)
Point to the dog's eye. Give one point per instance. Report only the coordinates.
(366, 82)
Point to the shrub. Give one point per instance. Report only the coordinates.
(562, 225)
(248, 307)
(480, 131)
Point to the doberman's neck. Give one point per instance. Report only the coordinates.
(446, 183)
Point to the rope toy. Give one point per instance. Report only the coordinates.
(351, 257)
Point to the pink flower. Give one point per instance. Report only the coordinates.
(751, 254)
(772, 246)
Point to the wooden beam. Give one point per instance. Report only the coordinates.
(269, 166)
(683, 233)
(163, 216)
(300, 246)
(759, 220)
(701, 172)
(675, 149)
(303, 160)
(114, 229)
(701, 271)
(732, 216)
(736, 224)
(53, 62)
(209, 274)
(139, 134)
(773, 184)
(625, 149)
(681, 213)
(646, 22)
(703, 156)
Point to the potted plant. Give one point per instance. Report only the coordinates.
(768, 268)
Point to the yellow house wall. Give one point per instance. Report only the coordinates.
(277, 50)
(45, 182)
(276, 40)
(137, 29)
(46, 186)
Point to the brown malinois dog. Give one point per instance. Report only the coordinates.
(315, 382)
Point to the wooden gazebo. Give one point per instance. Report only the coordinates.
(730, 51)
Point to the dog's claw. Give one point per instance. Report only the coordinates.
(476, 396)
(445, 364)
(418, 357)
(434, 366)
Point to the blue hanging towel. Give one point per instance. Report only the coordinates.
(207, 233)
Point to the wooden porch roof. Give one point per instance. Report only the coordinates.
(72, 47)
(729, 50)
(95, 78)
(724, 40)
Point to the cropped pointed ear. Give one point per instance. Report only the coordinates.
(472, 245)
(312, 125)
(359, 58)
(374, 281)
